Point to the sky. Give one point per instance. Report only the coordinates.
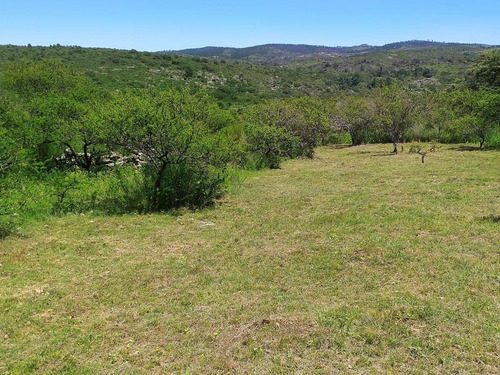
(171, 25)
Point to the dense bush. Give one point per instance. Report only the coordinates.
(268, 145)
(286, 128)
(182, 145)
(356, 116)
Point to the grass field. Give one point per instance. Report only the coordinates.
(357, 262)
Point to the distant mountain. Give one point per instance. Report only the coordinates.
(271, 51)
(283, 53)
(414, 44)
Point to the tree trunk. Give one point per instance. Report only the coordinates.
(355, 140)
(481, 143)
(423, 155)
(395, 151)
(87, 157)
(158, 186)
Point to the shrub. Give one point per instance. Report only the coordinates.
(179, 137)
(268, 145)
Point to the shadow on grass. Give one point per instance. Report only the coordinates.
(376, 153)
(491, 218)
(338, 147)
(6, 232)
(476, 148)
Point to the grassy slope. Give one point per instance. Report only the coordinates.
(357, 261)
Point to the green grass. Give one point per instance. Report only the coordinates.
(355, 262)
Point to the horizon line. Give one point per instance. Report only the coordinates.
(250, 46)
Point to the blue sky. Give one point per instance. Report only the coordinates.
(159, 25)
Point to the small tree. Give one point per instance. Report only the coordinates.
(434, 114)
(85, 135)
(303, 119)
(395, 112)
(58, 103)
(270, 132)
(269, 144)
(356, 116)
(477, 113)
(169, 131)
(7, 154)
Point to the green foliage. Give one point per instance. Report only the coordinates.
(25, 197)
(115, 191)
(30, 78)
(59, 106)
(234, 83)
(434, 111)
(7, 150)
(485, 72)
(495, 137)
(176, 134)
(356, 116)
(476, 113)
(396, 110)
(6, 218)
(338, 138)
(310, 124)
(300, 125)
(268, 145)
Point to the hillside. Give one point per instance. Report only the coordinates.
(273, 53)
(355, 262)
(235, 82)
(276, 54)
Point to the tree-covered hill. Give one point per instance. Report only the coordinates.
(273, 53)
(233, 82)
(277, 54)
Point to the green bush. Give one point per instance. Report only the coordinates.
(338, 138)
(268, 145)
(183, 185)
(120, 190)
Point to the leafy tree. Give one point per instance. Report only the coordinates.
(354, 115)
(13, 132)
(270, 144)
(60, 105)
(272, 121)
(184, 159)
(83, 131)
(477, 113)
(304, 119)
(32, 78)
(485, 72)
(7, 156)
(395, 112)
(434, 113)
(310, 124)
(6, 142)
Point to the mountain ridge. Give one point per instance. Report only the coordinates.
(272, 53)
